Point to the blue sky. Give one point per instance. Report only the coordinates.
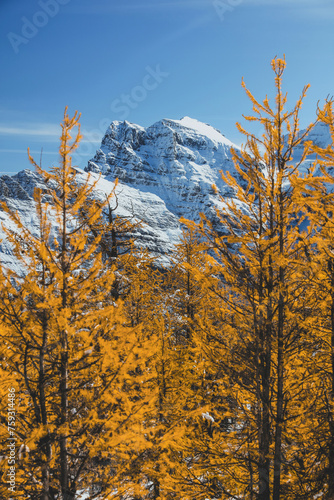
(144, 60)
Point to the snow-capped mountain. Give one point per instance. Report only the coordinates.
(177, 160)
(172, 164)
(165, 171)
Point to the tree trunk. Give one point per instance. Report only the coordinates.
(264, 431)
(45, 443)
(279, 410)
(280, 334)
(64, 472)
(265, 375)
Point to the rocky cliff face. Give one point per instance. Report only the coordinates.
(173, 162)
(176, 160)
(165, 172)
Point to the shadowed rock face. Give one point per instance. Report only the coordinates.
(165, 171)
(19, 187)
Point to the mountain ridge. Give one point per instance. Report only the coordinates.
(165, 171)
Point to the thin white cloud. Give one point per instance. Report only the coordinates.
(193, 25)
(24, 151)
(79, 152)
(91, 141)
(93, 136)
(108, 7)
(168, 5)
(290, 3)
(319, 10)
(50, 131)
(44, 129)
(126, 6)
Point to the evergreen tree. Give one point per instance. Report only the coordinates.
(258, 250)
(76, 365)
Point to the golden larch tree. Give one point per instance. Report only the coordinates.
(258, 253)
(75, 364)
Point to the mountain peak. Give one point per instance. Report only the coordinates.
(203, 129)
(167, 171)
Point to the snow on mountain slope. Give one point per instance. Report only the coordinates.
(17, 191)
(204, 129)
